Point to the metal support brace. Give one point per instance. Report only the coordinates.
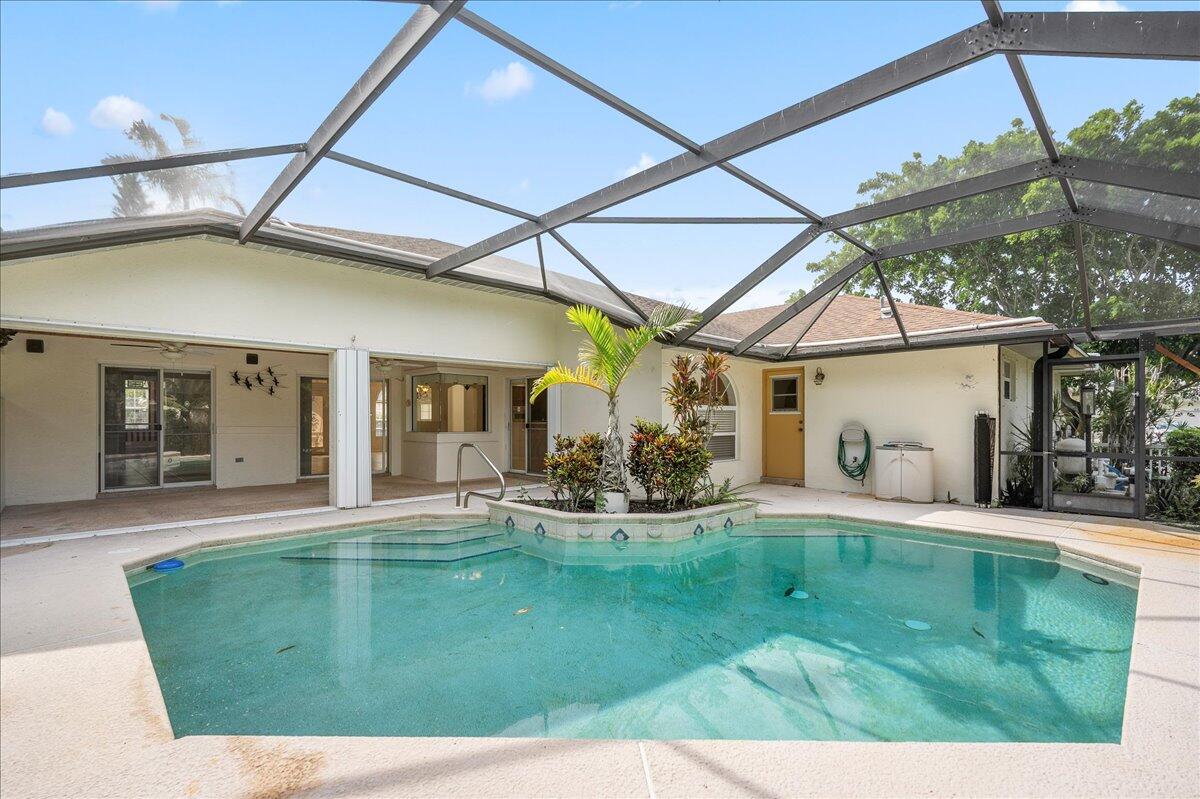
(425, 23)
(887, 292)
(1085, 295)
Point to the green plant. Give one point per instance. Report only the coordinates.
(1184, 442)
(645, 464)
(573, 469)
(673, 465)
(696, 390)
(605, 359)
(1019, 491)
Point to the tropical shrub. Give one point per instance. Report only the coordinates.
(1184, 443)
(673, 466)
(573, 469)
(645, 462)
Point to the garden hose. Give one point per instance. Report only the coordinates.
(858, 470)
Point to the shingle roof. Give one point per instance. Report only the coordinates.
(848, 317)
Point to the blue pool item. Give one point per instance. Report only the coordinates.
(418, 633)
(168, 565)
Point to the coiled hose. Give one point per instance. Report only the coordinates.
(857, 470)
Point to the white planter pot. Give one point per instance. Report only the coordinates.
(616, 502)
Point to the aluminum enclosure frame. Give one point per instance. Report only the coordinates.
(1146, 35)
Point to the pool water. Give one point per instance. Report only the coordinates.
(777, 630)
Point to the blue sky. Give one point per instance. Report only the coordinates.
(470, 114)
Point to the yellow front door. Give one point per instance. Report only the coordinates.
(783, 424)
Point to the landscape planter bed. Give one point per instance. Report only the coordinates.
(619, 527)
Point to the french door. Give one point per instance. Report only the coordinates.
(157, 428)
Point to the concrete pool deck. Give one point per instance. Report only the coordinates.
(81, 713)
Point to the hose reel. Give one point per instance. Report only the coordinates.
(856, 468)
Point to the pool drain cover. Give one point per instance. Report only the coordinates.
(796, 593)
(1095, 578)
(917, 624)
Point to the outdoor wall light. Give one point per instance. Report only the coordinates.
(819, 376)
(1087, 400)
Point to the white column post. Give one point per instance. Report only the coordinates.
(350, 455)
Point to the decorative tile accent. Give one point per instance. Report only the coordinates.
(619, 535)
(699, 530)
(654, 532)
(728, 522)
(509, 523)
(540, 530)
(585, 531)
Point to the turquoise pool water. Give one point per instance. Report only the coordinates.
(484, 632)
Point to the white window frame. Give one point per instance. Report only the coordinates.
(1008, 380)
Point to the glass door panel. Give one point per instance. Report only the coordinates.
(1095, 436)
(379, 426)
(539, 431)
(132, 428)
(187, 427)
(517, 427)
(314, 426)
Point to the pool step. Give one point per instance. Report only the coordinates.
(430, 538)
(404, 552)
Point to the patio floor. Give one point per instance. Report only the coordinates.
(186, 504)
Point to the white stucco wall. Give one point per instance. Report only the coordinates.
(51, 416)
(236, 293)
(929, 396)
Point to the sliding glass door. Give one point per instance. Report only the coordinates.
(315, 426)
(187, 427)
(157, 428)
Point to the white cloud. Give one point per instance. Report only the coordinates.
(56, 123)
(523, 186)
(1095, 5)
(504, 84)
(118, 111)
(643, 163)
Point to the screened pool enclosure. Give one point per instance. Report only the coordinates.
(1096, 201)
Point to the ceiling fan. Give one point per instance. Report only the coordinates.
(171, 350)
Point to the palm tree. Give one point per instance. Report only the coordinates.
(180, 188)
(605, 360)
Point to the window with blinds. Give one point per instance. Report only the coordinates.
(723, 443)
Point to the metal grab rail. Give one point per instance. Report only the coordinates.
(458, 497)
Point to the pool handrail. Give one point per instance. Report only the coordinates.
(459, 500)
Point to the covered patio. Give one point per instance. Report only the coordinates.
(27, 523)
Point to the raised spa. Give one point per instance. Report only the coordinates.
(794, 629)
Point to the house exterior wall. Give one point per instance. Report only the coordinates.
(206, 290)
(216, 289)
(52, 411)
(928, 395)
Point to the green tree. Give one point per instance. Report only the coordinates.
(1035, 273)
(178, 189)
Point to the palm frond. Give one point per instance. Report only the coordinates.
(582, 375)
(664, 320)
(599, 350)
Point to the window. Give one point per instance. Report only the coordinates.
(785, 395)
(446, 403)
(723, 442)
(1006, 380)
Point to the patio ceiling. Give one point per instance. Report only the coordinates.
(1170, 35)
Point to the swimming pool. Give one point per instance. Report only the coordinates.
(782, 629)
